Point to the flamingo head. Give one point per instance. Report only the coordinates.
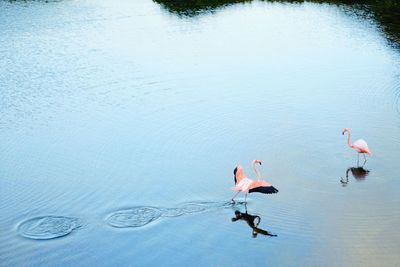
(345, 130)
(257, 161)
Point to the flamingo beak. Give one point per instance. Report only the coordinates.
(260, 163)
(343, 133)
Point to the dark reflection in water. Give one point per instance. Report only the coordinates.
(196, 7)
(359, 173)
(253, 221)
(386, 12)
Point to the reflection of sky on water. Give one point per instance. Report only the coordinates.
(106, 107)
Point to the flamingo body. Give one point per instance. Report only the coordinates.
(361, 146)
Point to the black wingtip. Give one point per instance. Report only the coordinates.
(264, 190)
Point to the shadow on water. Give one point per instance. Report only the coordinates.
(359, 173)
(252, 221)
(385, 12)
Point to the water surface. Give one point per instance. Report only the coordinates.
(106, 107)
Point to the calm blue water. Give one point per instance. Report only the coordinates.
(121, 113)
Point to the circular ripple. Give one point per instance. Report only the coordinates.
(193, 207)
(134, 217)
(172, 212)
(48, 227)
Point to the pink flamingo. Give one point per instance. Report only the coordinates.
(246, 185)
(359, 145)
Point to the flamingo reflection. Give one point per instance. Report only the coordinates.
(359, 173)
(253, 221)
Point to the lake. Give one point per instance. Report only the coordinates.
(121, 124)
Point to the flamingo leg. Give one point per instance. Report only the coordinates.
(358, 159)
(365, 159)
(235, 196)
(245, 198)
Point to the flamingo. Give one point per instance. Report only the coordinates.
(246, 185)
(359, 145)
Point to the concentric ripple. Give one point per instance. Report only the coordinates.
(194, 207)
(142, 215)
(48, 227)
(172, 212)
(134, 217)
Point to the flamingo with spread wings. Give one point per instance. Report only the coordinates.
(359, 145)
(246, 185)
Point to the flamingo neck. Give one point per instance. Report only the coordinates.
(256, 171)
(348, 139)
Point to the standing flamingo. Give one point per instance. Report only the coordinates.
(246, 185)
(360, 146)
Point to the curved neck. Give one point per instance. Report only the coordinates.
(347, 173)
(348, 138)
(256, 171)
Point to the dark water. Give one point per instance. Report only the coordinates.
(121, 123)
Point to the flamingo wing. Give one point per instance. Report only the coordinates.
(261, 186)
(264, 190)
(238, 174)
(361, 146)
(360, 143)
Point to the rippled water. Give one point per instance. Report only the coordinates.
(140, 216)
(48, 227)
(123, 111)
